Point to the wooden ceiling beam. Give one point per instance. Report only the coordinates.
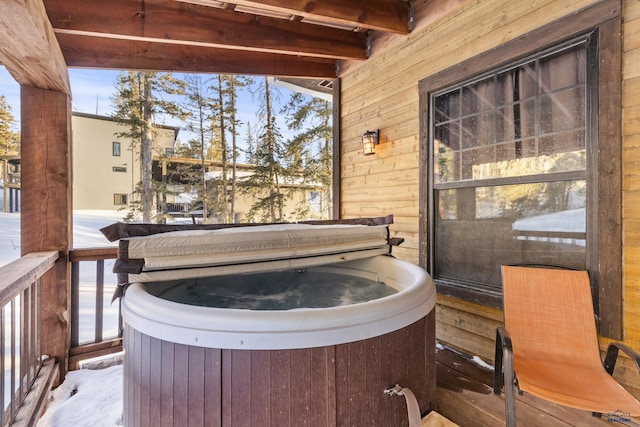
(174, 22)
(29, 49)
(383, 15)
(94, 52)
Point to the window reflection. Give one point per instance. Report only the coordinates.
(534, 110)
(481, 228)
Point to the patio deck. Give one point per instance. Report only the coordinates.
(465, 396)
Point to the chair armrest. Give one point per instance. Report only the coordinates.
(612, 356)
(504, 350)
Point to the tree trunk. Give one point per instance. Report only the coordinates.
(234, 147)
(203, 155)
(146, 154)
(271, 151)
(224, 202)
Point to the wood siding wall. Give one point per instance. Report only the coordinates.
(167, 384)
(631, 178)
(383, 93)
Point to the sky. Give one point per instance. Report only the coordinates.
(92, 90)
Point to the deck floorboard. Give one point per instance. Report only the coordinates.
(465, 396)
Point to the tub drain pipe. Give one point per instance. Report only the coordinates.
(413, 409)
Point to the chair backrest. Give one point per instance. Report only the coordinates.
(549, 315)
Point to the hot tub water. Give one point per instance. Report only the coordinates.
(282, 290)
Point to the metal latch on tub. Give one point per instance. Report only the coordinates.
(413, 409)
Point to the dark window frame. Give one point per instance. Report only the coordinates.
(116, 149)
(120, 199)
(602, 21)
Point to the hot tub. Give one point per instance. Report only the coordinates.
(191, 365)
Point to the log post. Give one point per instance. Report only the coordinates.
(46, 214)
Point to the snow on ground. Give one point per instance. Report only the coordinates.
(86, 231)
(86, 398)
(9, 237)
(91, 398)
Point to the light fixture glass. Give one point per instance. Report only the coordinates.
(369, 141)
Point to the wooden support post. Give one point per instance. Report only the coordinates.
(46, 213)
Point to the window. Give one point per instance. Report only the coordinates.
(314, 201)
(169, 152)
(509, 169)
(119, 199)
(515, 155)
(119, 168)
(115, 148)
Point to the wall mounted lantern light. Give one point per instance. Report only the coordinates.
(370, 139)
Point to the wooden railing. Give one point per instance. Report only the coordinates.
(96, 325)
(26, 376)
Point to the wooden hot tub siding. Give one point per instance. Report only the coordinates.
(168, 384)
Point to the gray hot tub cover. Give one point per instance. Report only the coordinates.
(157, 253)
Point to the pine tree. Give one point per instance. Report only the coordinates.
(9, 140)
(310, 150)
(232, 84)
(221, 124)
(265, 183)
(250, 142)
(199, 104)
(138, 98)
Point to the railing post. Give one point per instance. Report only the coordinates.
(3, 356)
(99, 300)
(12, 334)
(75, 303)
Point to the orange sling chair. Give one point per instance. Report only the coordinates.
(548, 346)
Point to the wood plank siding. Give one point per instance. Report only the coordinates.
(168, 384)
(383, 93)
